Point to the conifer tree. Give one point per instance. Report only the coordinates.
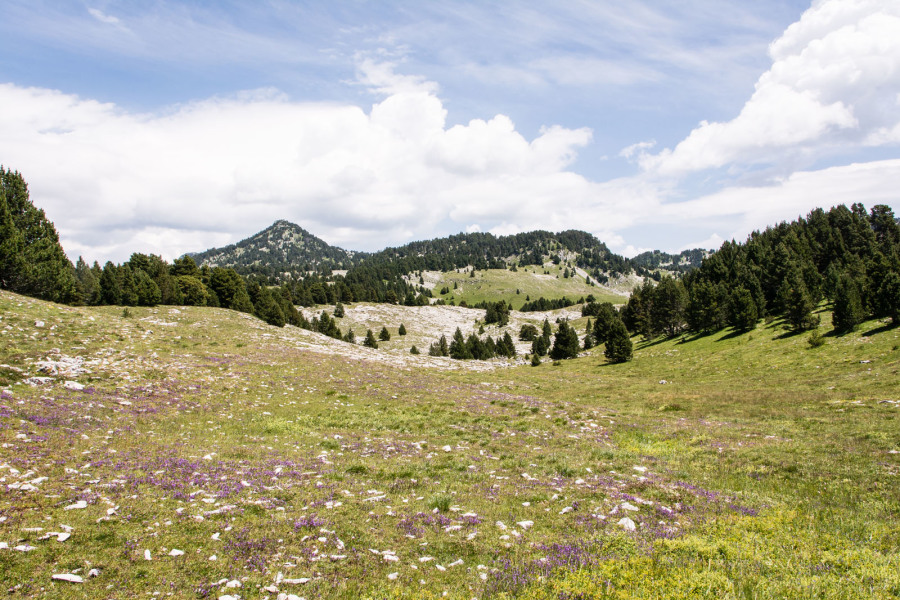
(566, 344)
(847, 311)
(458, 349)
(742, 312)
(370, 341)
(32, 261)
(86, 281)
(339, 310)
(401, 330)
(618, 343)
(384, 335)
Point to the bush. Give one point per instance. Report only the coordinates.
(815, 339)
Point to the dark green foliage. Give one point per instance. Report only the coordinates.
(350, 336)
(439, 348)
(535, 360)
(32, 261)
(193, 292)
(888, 297)
(339, 310)
(264, 304)
(110, 287)
(370, 341)
(185, 267)
(401, 330)
(495, 312)
(706, 309)
(384, 335)
(528, 332)
(542, 304)
(742, 312)
(326, 325)
(230, 289)
(566, 343)
(476, 348)
(604, 314)
(796, 302)
(540, 346)
(618, 343)
(147, 291)
(87, 283)
(127, 285)
(667, 312)
(847, 311)
(414, 350)
(458, 349)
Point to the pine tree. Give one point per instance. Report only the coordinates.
(401, 330)
(370, 341)
(384, 335)
(888, 297)
(110, 288)
(86, 281)
(350, 336)
(742, 312)
(458, 348)
(414, 350)
(566, 344)
(618, 343)
(339, 310)
(193, 292)
(796, 302)
(847, 311)
(32, 261)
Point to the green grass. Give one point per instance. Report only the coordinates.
(763, 468)
(493, 285)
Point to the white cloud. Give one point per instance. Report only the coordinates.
(213, 171)
(833, 85)
(104, 18)
(751, 208)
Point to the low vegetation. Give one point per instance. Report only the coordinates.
(200, 453)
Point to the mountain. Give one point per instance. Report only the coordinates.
(676, 263)
(282, 251)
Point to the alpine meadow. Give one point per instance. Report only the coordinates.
(726, 431)
(450, 300)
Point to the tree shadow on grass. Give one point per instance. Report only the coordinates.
(884, 328)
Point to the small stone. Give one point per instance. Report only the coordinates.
(176, 552)
(73, 385)
(94, 573)
(272, 589)
(147, 555)
(627, 506)
(77, 506)
(567, 509)
(61, 537)
(23, 548)
(627, 524)
(447, 449)
(68, 577)
(234, 583)
(393, 576)
(228, 597)
(525, 524)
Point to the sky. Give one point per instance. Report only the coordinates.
(170, 127)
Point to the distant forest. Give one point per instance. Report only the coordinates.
(847, 256)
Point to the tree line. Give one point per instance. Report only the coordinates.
(848, 257)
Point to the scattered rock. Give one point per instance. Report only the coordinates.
(73, 385)
(176, 552)
(629, 506)
(77, 506)
(627, 524)
(68, 577)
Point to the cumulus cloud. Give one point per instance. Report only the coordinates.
(834, 83)
(213, 171)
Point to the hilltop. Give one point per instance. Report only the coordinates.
(283, 250)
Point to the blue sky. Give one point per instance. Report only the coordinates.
(169, 127)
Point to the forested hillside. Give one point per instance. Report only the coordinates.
(279, 253)
(846, 256)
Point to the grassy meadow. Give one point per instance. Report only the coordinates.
(199, 453)
(492, 285)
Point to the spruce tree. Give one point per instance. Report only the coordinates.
(458, 348)
(796, 302)
(370, 341)
(847, 311)
(401, 330)
(32, 261)
(86, 281)
(566, 344)
(888, 297)
(742, 313)
(384, 335)
(618, 343)
(339, 310)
